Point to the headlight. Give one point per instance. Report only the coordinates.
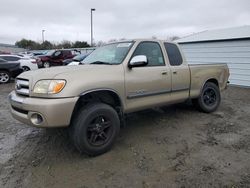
(49, 86)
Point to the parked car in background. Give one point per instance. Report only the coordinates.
(75, 60)
(26, 63)
(25, 54)
(54, 58)
(8, 70)
(39, 52)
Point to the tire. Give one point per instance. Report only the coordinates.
(94, 129)
(4, 76)
(25, 68)
(46, 64)
(209, 99)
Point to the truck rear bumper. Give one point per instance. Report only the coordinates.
(39, 112)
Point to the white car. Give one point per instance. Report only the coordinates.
(26, 63)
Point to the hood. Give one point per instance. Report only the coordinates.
(46, 73)
(79, 78)
(68, 72)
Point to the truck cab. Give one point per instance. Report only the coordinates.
(169, 73)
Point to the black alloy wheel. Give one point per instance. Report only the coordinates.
(99, 130)
(94, 128)
(209, 99)
(209, 96)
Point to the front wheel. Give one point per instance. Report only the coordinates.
(95, 128)
(209, 99)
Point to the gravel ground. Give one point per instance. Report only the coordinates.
(175, 146)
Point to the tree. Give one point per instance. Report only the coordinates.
(46, 45)
(99, 43)
(65, 44)
(80, 44)
(27, 44)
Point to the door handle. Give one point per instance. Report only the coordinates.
(175, 72)
(164, 73)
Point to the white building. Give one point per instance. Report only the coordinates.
(231, 46)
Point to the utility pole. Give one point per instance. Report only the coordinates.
(43, 35)
(91, 26)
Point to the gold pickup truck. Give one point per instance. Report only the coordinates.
(92, 99)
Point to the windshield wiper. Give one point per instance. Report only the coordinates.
(101, 63)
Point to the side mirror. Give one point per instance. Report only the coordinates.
(138, 61)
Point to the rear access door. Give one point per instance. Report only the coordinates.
(180, 73)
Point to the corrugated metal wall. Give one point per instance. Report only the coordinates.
(235, 53)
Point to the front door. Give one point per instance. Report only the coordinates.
(151, 84)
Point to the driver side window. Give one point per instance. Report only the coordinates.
(152, 51)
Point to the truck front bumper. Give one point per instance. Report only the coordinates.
(41, 112)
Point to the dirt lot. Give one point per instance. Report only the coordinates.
(175, 146)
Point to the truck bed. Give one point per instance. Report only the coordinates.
(200, 73)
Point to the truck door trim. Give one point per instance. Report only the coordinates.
(139, 94)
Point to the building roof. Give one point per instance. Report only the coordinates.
(234, 33)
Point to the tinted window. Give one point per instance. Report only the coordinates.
(152, 51)
(2, 60)
(10, 58)
(174, 54)
(66, 53)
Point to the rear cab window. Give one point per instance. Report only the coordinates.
(174, 55)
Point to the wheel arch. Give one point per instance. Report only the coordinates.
(5, 70)
(212, 80)
(104, 95)
(26, 67)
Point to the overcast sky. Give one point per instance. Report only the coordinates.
(116, 19)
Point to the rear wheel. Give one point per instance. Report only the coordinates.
(210, 98)
(4, 76)
(95, 128)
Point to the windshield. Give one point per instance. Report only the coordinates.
(109, 54)
(49, 53)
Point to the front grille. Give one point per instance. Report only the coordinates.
(22, 87)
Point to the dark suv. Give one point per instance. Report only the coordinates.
(54, 58)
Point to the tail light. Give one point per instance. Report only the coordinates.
(35, 61)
